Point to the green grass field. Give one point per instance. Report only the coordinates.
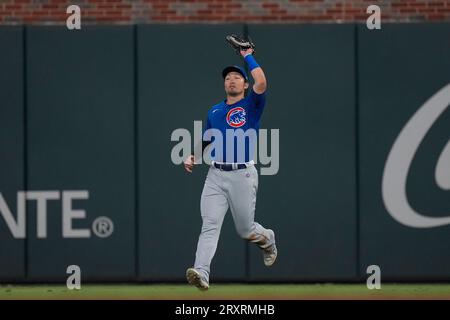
(227, 291)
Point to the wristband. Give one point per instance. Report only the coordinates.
(252, 64)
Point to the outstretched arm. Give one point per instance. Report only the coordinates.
(257, 72)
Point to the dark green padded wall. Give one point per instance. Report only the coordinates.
(400, 68)
(12, 254)
(81, 137)
(310, 203)
(98, 107)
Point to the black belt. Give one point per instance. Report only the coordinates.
(229, 166)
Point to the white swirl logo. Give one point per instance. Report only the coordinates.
(401, 156)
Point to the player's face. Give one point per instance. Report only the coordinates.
(235, 84)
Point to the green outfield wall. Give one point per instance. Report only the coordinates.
(86, 176)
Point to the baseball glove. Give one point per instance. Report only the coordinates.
(239, 43)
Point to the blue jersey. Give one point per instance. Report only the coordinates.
(238, 124)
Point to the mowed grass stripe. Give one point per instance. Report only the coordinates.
(228, 291)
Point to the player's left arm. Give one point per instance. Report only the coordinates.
(260, 85)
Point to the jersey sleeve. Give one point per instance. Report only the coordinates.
(206, 126)
(258, 100)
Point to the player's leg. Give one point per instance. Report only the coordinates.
(241, 189)
(213, 206)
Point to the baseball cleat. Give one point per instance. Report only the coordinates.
(194, 278)
(271, 252)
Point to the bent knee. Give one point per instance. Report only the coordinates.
(246, 234)
(210, 225)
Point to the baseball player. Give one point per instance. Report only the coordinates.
(231, 184)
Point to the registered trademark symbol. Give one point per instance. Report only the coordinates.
(102, 227)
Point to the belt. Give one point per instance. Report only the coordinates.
(230, 166)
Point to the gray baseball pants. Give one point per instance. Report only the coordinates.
(222, 190)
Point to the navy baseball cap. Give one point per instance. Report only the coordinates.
(237, 69)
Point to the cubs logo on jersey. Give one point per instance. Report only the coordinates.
(236, 117)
